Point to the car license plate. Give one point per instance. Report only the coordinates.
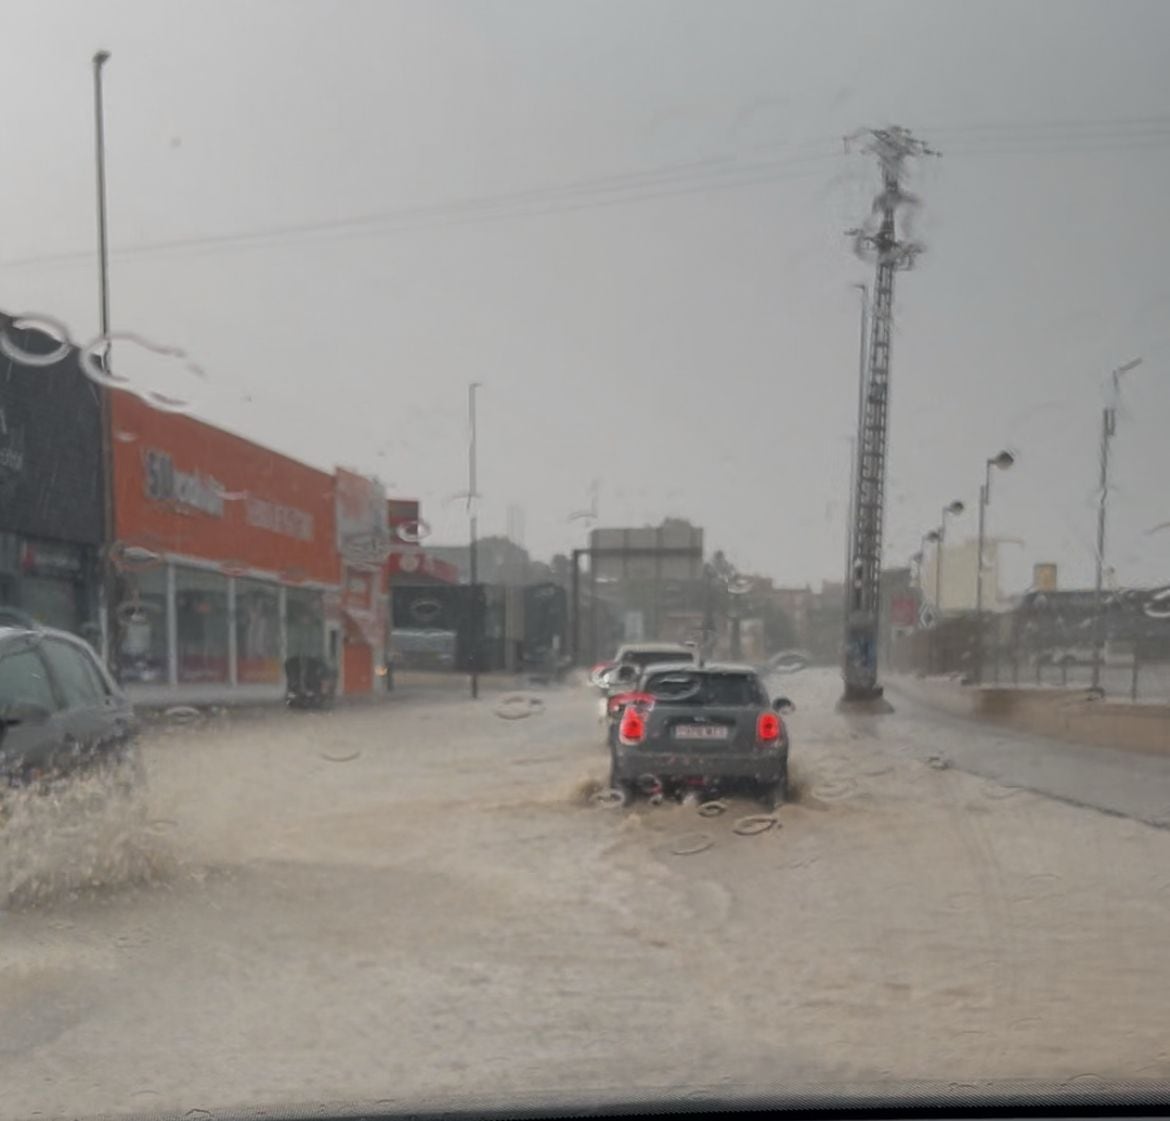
(701, 732)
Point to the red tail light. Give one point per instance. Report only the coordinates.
(621, 700)
(633, 726)
(768, 728)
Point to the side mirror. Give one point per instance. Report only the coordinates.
(625, 674)
(783, 706)
(24, 712)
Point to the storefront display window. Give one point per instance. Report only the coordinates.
(142, 621)
(201, 613)
(306, 622)
(257, 633)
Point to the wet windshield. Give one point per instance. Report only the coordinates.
(377, 375)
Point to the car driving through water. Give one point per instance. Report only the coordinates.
(705, 727)
(615, 679)
(61, 715)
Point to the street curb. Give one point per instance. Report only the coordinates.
(1064, 714)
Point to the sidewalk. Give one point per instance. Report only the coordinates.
(1071, 715)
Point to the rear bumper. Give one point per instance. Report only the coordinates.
(631, 763)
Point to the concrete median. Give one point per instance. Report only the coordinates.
(1067, 714)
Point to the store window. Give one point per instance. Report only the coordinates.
(50, 601)
(257, 633)
(305, 612)
(142, 620)
(201, 616)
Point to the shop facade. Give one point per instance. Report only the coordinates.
(51, 496)
(225, 557)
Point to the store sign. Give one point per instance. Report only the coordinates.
(363, 532)
(286, 520)
(50, 559)
(187, 488)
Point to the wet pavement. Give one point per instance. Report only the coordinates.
(421, 903)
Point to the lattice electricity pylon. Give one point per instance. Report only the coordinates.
(878, 241)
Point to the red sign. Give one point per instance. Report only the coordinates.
(903, 611)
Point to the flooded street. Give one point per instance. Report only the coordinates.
(420, 902)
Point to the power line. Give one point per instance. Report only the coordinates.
(717, 173)
(696, 176)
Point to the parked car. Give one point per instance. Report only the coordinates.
(708, 727)
(61, 714)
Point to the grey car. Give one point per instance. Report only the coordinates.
(61, 714)
(709, 727)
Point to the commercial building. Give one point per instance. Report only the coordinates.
(207, 561)
(226, 555)
(51, 484)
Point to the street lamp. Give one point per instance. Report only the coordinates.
(1003, 461)
(954, 508)
(473, 544)
(112, 631)
(1108, 427)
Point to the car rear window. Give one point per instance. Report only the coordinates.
(683, 687)
(650, 657)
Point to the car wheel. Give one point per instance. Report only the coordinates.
(773, 794)
(628, 790)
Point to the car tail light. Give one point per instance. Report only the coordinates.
(622, 700)
(633, 726)
(768, 728)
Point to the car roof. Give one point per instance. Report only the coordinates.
(706, 667)
(654, 647)
(10, 633)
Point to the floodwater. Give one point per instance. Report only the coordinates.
(420, 903)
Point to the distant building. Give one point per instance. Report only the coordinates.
(959, 564)
(499, 561)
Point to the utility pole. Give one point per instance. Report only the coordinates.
(109, 582)
(864, 290)
(892, 147)
(473, 550)
(1108, 427)
(1003, 461)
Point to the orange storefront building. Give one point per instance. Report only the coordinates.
(232, 558)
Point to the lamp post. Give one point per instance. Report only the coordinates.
(1003, 461)
(109, 582)
(1108, 427)
(954, 508)
(928, 538)
(473, 551)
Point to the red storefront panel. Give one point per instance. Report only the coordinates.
(184, 486)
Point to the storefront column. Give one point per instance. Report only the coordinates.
(172, 629)
(282, 609)
(233, 654)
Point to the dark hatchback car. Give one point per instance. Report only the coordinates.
(61, 715)
(710, 727)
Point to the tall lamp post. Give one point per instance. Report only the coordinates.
(928, 538)
(1003, 461)
(1108, 427)
(109, 590)
(952, 509)
(473, 550)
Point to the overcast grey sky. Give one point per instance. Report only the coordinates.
(687, 336)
